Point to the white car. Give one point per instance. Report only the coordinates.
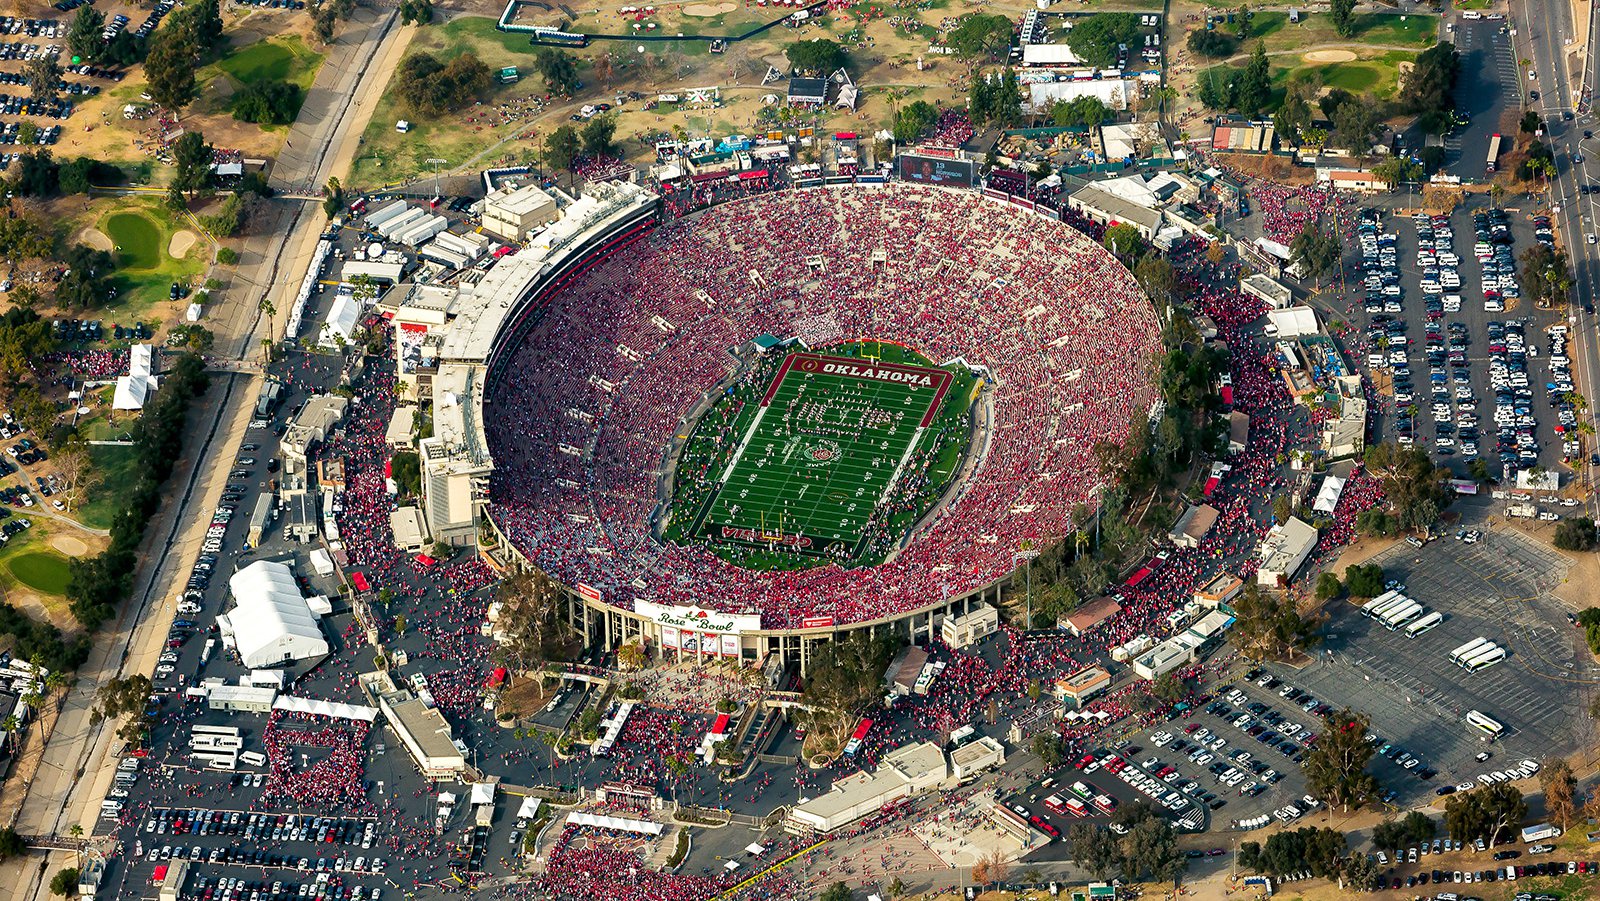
(1547, 516)
(165, 669)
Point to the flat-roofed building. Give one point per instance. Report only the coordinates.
(511, 214)
(1193, 525)
(425, 733)
(960, 631)
(1286, 547)
(1223, 587)
(1083, 685)
(906, 771)
(976, 756)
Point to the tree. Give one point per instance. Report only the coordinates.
(1576, 534)
(1293, 118)
(560, 74)
(1396, 170)
(416, 11)
(897, 889)
(1158, 279)
(1095, 849)
(844, 677)
(1335, 766)
(979, 36)
(991, 867)
(1328, 586)
(995, 99)
(433, 88)
(1048, 747)
(36, 175)
(87, 282)
(1428, 90)
(120, 698)
(44, 77)
(267, 103)
(561, 147)
(1252, 91)
(1530, 123)
(530, 617)
(1122, 239)
(333, 202)
(1488, 812)
(1414, 487)
(1081, 112)
(818, 56)
(841, 892)
(1150, 849)
(1343, 14)
(405, 467)
(631, 656)
(1557, 781)
(85, 36)
(913, 120)
(1212, 43)
(227, 221)
(597, 134)
(1360, 872)
(1096, 40)
(1364, 581)
(170, 67)
(193, 159)
(1545, 275)
(1269, 625)
(64, 881)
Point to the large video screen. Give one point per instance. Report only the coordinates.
(934, 170)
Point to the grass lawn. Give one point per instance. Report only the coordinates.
(142, 229)
(388, 157)
(43, 571)
(1315, 29)
(116, 465)
(137, 239)
(283, 58)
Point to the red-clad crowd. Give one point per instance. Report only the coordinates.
(1045, 312)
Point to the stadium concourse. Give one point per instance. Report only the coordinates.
(1060, 326)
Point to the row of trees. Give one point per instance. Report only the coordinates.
(1322, 852)
(1147, 851)
(98, 584)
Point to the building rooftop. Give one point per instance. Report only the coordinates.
(1285, 543)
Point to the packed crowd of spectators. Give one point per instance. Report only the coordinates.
(1037, 305)
(336, 781)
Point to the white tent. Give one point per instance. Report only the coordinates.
(141, 360)
(529, 808)
(132, 391)
(619, 824)
(342, 320)
(1328, 497)
(330, 709)
(482, 793)
(271, 622)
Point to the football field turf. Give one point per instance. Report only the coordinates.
(827, 443)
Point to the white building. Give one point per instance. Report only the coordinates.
(511, 213)
(905, 771)
(1286, 547)
(960, 631)
(271, 624)
(425, 733)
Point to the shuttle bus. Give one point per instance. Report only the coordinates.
(1403, 614)
(1424, 624)
(1391, 606)
(1484, 659)
(1372, 605)
(215, 743)
(1484, 723)
(217, 760)
(253, 758)
(1468, 649)
(228, 731)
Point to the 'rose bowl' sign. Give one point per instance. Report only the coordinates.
(698, 619)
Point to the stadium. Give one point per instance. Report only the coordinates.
(807, 411)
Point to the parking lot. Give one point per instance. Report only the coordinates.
(1463, 375)
(1417, 699)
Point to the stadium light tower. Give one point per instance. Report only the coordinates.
(1027, 554)
(436, 164)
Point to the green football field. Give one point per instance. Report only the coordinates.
(828, 441)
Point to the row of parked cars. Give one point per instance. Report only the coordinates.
(1508, 873)
(1493, 248)
(33, 28)
(326, 888)
(1517, 445)
(27, 106)
(1559, 388)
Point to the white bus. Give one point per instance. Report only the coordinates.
(227, 731)
(1393, 604)
(217, 760)
(1468, 649)
(1488, 725)
(1484, 659)
(1424, 624)
(1379, 601)
(1401, 615)
(253, 758)
(215, 743)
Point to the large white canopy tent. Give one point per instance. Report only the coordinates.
(271, 624)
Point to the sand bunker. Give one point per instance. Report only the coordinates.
(1330, 56)
(180, 245)
(95, 239)
(707, 10)
(72, 547)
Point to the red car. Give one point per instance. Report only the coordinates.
(1083, 761)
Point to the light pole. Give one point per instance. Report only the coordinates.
(1027, 555)
(436, 164)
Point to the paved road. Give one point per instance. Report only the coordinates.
(73, 771)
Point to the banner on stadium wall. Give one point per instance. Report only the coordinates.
(669, 637)
(932, 170)
(816, 622)
(690, 641)
(588, 592)
(697, 618)
(730, 645)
